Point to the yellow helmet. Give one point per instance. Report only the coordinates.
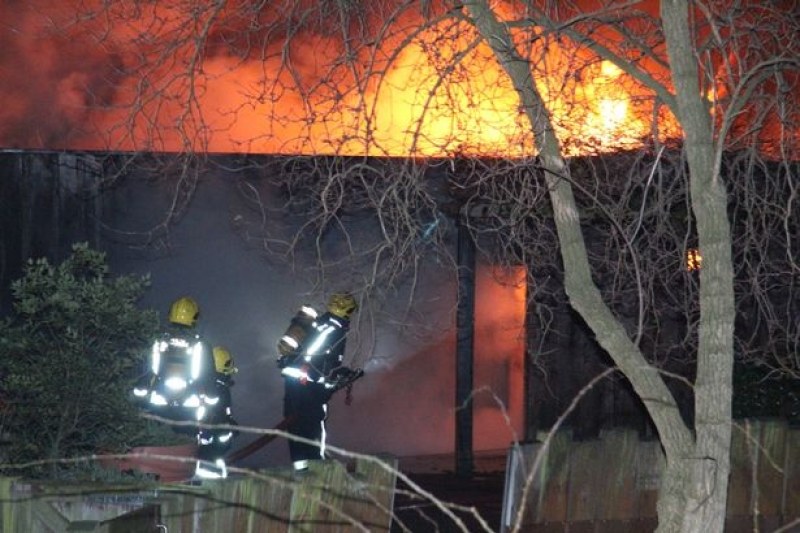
(223, 361)
(342, 305)
(184, 311)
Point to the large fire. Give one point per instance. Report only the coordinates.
(475, 111)
(438, 96)
(196, 76)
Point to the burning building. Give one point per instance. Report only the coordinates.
(330, 91)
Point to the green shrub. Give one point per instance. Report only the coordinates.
(69, 355)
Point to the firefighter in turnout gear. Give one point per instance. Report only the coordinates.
(311, 354)
(221, 412)
(225, 369)
(179, 381)
(214, 442)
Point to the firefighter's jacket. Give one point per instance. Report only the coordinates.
(183, 352)
(320, 353)
(180, 369)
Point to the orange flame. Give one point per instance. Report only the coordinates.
(438, 96)
(694, 261)
(432, 103)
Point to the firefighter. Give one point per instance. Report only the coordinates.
(225, 369)
(217, 441)
(179, 381)
(312, 372)
(214, 442)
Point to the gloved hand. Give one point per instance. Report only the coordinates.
(343, 376)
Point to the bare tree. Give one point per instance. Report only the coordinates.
(694, 489)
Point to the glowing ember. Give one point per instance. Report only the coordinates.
(694, 261)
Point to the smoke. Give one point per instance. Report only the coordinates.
(51, 80)
(407, 397)
(405, 403)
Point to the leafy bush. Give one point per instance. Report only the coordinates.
(69, 355)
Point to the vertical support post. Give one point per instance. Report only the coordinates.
(531, 408)
(465, 326)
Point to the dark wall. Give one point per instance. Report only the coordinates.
(210, 250)
(47, 202)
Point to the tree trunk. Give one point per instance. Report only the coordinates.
(694, 490)
(710, 460)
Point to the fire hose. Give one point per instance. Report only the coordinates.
(259, 443)
(345, 381)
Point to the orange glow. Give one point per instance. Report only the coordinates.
(694, 261)
(437, 96)
(499, 398)
(422, 106)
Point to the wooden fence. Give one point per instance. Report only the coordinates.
(611, 484)
(330, 498)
